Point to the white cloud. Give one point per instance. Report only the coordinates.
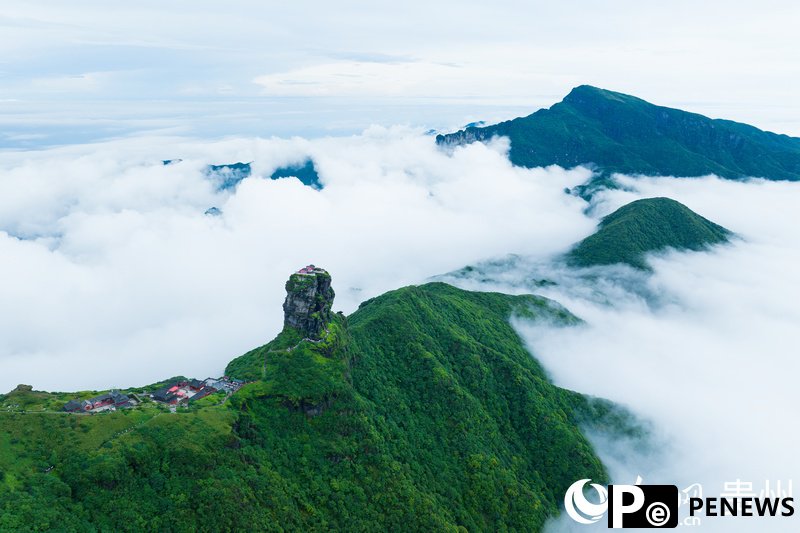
(390, 63)
(471, 80)
(122, 280)
(359, 78)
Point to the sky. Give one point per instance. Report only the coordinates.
(87, 70)
(113, 276)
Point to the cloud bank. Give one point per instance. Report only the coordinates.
(113, 276)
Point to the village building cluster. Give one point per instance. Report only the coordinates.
(182, 391)
(105, 402)
(172, 394)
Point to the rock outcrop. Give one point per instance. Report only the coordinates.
(309, 297)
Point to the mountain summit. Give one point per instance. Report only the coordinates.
(643, 226)
(309, 297)
(616, 132)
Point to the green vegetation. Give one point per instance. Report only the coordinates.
(422, 411)
(643, 226)
(127, 470)
(620, 133)
(251, 366)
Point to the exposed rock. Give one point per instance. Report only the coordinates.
(309, 297)
(23, 388)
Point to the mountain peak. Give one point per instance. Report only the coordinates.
(309, 298)
(585, 90)
(642, 226)
(616, 132)
(583, 94)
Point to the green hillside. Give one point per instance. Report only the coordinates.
(620, 133)
(422, 411)
(643, 226)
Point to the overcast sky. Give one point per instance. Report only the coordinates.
(86, 70)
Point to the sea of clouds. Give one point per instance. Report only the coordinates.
(112, 275)
(714, 361)
(705, 348)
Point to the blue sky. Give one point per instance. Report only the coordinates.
(85, 70)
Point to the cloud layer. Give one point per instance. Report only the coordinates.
(113, 276)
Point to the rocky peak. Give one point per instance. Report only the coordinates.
(309, 297)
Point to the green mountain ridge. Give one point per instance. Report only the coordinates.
(422, 411)
(643, 226)
(615, 132)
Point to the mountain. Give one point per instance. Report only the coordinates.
(615, 132)
(421, 411)
(451, 420)
(228, 176)
(306, 172)
(643, 226)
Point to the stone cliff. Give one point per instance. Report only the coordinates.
(309, 297)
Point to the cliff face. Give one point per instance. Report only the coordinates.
(309, 297)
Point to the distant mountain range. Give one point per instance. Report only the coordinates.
(229, 175)
(648, 225)
(615, 132)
